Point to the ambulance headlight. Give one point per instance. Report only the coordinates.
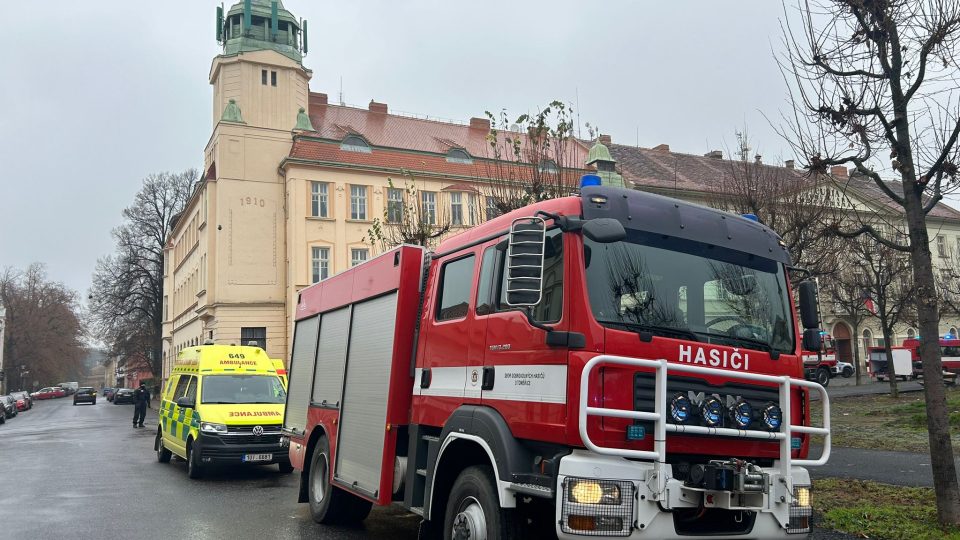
(772, 417)
(680, 408)
(741, 413)
(711, 410)
(210, 427)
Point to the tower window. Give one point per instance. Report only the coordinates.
(263, 76)
(273, 78)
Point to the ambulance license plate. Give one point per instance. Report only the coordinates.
(257, 457)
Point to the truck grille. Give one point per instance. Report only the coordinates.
(757, 396)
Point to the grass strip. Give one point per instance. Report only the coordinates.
(881, 511)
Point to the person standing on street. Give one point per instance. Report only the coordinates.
(141, 400)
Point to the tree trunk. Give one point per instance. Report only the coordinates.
(941, 449)
(856, 351)
(891, 372)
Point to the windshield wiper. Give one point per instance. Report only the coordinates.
(663, 331)
(757, 344)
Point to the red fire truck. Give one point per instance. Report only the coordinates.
(821, 366)
(610, 364)
(949, 353)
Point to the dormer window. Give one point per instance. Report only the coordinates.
(459, 155)
(548, 166)
(355, 143)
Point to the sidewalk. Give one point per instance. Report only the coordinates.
(841, 387)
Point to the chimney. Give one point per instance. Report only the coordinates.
(788, 164)
(317, 98)
(662, 148)
(715, 154)
(839, 171)
(605, 140)
(480, 123)
(758, 159)
(378, 107)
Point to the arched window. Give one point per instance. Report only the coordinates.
(867, 339)
(355, 143)
(911, 333)
(459, 155)
(953, 332)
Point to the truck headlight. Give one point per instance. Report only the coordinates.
(772, 417)
(680, 408)
(711, 411)
(741, 413)
(594, 492)
(210, 427)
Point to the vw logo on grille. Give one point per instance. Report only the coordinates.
(257, 431)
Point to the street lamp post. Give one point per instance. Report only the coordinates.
(3, 321)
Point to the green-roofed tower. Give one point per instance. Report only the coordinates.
(599, 157)
(256, 25)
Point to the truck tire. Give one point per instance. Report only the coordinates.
(473, 509)
(823, 376)
(194, 468)
(163, 455)
(329, 504)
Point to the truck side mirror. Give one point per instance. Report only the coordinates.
(604, 230)
(807, 293)
(811, 339)
(525, 251)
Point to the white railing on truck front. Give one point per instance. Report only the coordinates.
(659, 415)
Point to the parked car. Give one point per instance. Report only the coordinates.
(108, 392)
(844, 369)
(24, 401)
(123, 395)
(85, 394)
(9, 406)
(49, 392)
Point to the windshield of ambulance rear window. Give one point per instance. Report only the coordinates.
(242, 389)
(689, 290)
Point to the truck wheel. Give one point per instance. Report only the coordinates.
(194, 468)
(823, 376)
(163, 455)
(331, 505)
(473, 509)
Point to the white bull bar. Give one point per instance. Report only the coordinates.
(661, 427)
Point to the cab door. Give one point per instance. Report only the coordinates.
(525, 379)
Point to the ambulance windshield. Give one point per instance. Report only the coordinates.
(689, 290)
(242, 389)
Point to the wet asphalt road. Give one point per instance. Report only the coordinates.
(83, 472)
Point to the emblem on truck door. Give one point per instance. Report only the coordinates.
(474, 377)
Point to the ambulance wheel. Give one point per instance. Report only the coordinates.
(163, 455)
(823, 376)
(194, 469)
(285, 468)
(473, 509)
(329, 504)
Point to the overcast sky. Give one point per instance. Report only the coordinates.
(97, 95)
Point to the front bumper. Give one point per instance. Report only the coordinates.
(644, 513)
(84, 399)
(222, 450)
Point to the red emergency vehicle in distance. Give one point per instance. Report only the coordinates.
(823, 366)
(616, 364)
(949, 353)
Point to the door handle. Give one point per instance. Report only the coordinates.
(489, 373)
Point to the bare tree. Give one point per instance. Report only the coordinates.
(44, 330)
(871, 76)
(845, 291)
(883, 275)
(126, 299)
(532, 158)
(794, 205)
(417, 218)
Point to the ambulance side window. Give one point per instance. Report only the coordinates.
(181, 387)
(192, 389)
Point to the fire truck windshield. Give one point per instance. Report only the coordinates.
(689, 290)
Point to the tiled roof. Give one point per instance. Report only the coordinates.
(395, 131)
(309, 149)
(664, 170)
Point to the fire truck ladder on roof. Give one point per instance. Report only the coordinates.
(661, 426)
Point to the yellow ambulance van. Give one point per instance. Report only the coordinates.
(223, 405)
